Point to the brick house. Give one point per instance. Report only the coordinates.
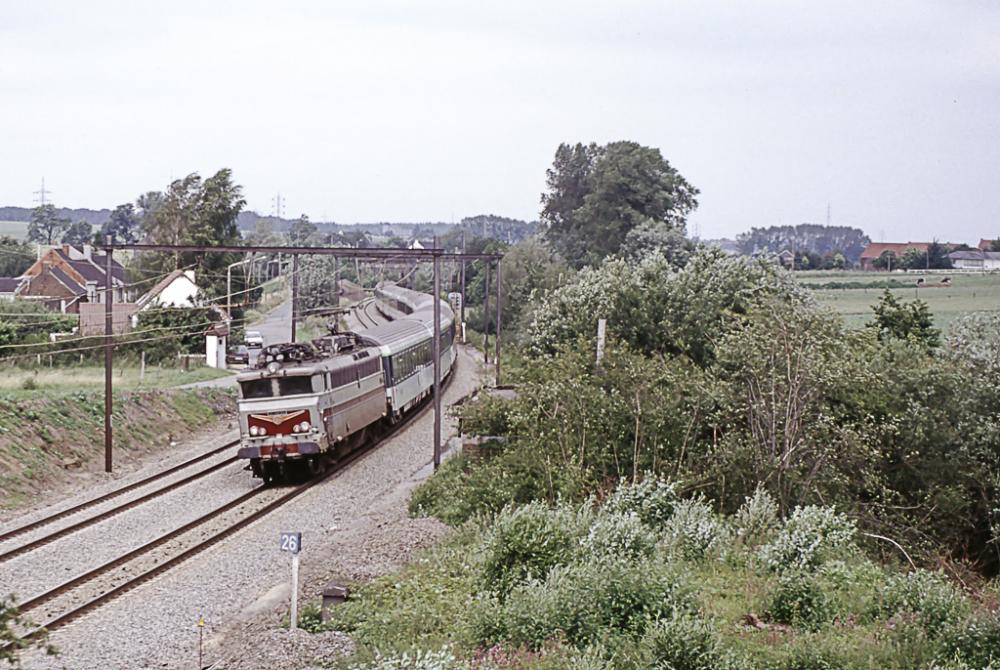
(64, 277)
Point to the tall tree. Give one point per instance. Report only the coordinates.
(78, 234)
(15, 257)
(302, 231)
(123, 224)
(597, 194)
(193, 211)
(46, 225)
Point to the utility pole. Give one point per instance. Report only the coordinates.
(107, 355)
(496, 335)
(278, 206)
(436, 352)
(295, 292)
(462, 317)
(486, 313)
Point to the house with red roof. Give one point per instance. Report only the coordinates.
(63, 277)
(875, 250)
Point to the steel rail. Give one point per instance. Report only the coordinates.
(113, 494)
(107, 514)
(200, 546)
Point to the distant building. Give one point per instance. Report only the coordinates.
(64, 277)
(875, 250)
(9, 287)
(975, 259)
(987, 245)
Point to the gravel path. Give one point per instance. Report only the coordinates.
(354, 526)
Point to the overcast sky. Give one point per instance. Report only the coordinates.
(434, 110)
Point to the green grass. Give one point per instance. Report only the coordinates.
(37, 381)
(968, 292)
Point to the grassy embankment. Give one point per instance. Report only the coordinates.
(52, 421)
(853, 294)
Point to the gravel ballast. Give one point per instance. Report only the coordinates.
(354, 527)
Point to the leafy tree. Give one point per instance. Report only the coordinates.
(78, 234)
(196, 212)
(654, 309)
(913, 259)
(654, 236)
(937, 256)
(904, 321)
(995, 245)
(123, 224)
(15, 257)
(302, 231)
(887, 261)
(45, 225)
(529, 269)
(597, 194)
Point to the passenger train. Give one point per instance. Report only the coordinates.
(308, 403)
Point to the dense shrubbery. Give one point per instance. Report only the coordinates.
(725, 375)
(604, 586)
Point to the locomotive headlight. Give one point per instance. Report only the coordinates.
(304, 426)
(253, 431)
(262, 431)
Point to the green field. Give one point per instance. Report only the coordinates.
(968, 292)
(18, 229)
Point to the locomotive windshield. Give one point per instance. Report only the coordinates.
(295, 385)
(256, 388)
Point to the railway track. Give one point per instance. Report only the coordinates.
(76, 597)
(93, 502)
(114, 511)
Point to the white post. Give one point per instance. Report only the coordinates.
(293, 623)
(601, 325)
(142, 366)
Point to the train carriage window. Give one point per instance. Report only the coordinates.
(256, 388)
(295, 385)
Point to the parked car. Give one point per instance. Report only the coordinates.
(253, 338)
(238, 354)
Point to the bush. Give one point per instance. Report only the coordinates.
(652, 499)
(526, 542)
(928, 595)
(799, 600)
(416, 660)
(682, 643)
(694, 531)
(974, 641)
(756, 520)
(585, 602)
(811, 535)
(619, 535)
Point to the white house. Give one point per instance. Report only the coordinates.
(975, 260)
(177, 289)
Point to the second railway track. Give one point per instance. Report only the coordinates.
(120, 491)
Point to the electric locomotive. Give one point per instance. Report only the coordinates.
(306, 404)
